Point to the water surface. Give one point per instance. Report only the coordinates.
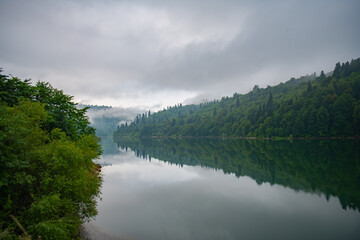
(230, 189)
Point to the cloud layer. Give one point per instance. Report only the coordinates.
(157, 53)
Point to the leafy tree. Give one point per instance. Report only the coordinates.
(48, 180)
(13, 89)
(62, 111)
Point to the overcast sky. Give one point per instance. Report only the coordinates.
(156, 53)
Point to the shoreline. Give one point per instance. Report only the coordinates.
(89, 231)
(247, 138)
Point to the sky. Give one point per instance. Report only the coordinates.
(156, 53)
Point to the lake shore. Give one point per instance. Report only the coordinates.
(90, 231)
(248, 138)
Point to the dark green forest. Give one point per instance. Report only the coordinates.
(48, 180)
(328, 167)
(309, 106)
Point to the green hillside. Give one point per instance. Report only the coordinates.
(309, 106)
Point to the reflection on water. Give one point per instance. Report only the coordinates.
(177, 189)
(328, 167)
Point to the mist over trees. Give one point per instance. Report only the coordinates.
(105, 119)
(309, 106)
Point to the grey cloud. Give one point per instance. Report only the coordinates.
(291, 36)
(133, 52)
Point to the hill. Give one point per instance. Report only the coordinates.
(309, 106)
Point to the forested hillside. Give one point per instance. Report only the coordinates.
(310, 106)
(48, 180)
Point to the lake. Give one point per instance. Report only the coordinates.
(230, 189)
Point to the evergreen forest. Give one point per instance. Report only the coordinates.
(49, 182)
(310, 106)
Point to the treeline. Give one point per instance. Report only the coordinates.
(308, 166)
(310, 106)
(48, 180)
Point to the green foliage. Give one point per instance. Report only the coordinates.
(13, 89)
(306, 107)
(62, 112)
(51, 217)
(48, 180)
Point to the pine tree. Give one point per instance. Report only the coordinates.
(337, 70)
(270, 104)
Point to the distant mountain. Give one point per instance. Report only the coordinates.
(310, 106)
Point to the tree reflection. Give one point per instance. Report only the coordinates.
(329, 167)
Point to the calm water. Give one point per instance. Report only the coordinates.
(230, 189)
